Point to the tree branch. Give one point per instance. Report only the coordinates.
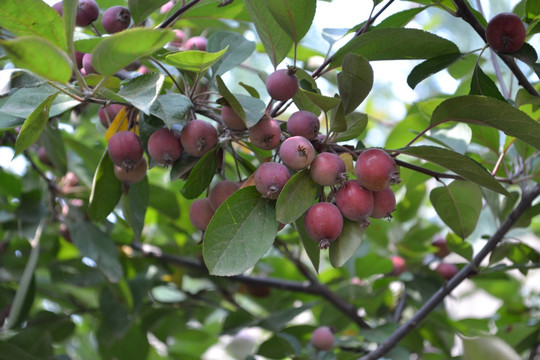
(470, 269)
(171, 19)
(466, 14)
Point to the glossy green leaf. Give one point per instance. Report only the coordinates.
(294, 16)
(250, 109)
(483, 110)
(312, 247)
(40, 56)
(298, 194)
(119, 50)
(171, 108)
(307, 83)
(239, 49)
(106, 190)
(459, 246)
(401, 18)
(214, 9)
(241, 231)
(338, 120)
(481, 84)
(32, 17)
(458, 205)
(141, 91)
(395, 44)
(201, 176)
(24, 101)
(431, 66)
(18, 78)
(141, 9)
(347, 243)
(96, 245)
(354, 81)
(459, 164)
(194, 60)
(276, 41)
(34, 125)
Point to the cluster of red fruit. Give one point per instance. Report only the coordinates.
(367, 196)
(165, 146)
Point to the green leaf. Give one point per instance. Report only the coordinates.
(483, 110)
(400, 19)
(241, 231)
(279, 319)
(34, 125)
(355, 81)
(431, 66)
(135, 205)
(96, 245)
(239, 49)
(325, 103)
(106, 190)
(294, 16)
(395, 44)
(356, 124)
(164, 201)
(119, 50)
(458, 205)
(215, 9)
(276, 41)
(141, 9)
(347, 243)
(40, 56)
(141, 91)
(460, 164)
(487, 347)
(312, 247)
(481, 84)
(298, 194)
(194, 60)
(171, 108)
(201, 176)
(249, 108)
(459, 246)
(10, 351)
(372, 264)
(280, 346)
(51, 139)
(18, 78)
(32, 17)
(24, 101)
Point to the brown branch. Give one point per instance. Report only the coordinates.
(466, 14)
(171, 19)
(467, 271)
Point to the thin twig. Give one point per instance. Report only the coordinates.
(468, 270)
(171, 19)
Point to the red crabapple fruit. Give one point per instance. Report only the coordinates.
(446, 270)
(304, 123)
(505, 32)
(384, 203)
(125, 150)
(355, 202)
(399, 265)
(376, 170)
(442, 247)
(297, 152)
(134, 175)
(270, 178)
(87, 64)
(282, 84)
(116, 19)
(164, 146)
(198, 137)
(324, 223)
(322, 338)
(231, 119)
(328, 169)
(58, 7)
(221, 192)
(179, 38)
(108, 113)
(266, 134)
(200, 213)
(87, 12)
(196, 43)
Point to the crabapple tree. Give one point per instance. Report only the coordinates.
(278, 179)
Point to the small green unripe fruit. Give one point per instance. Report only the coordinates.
(322, 338)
